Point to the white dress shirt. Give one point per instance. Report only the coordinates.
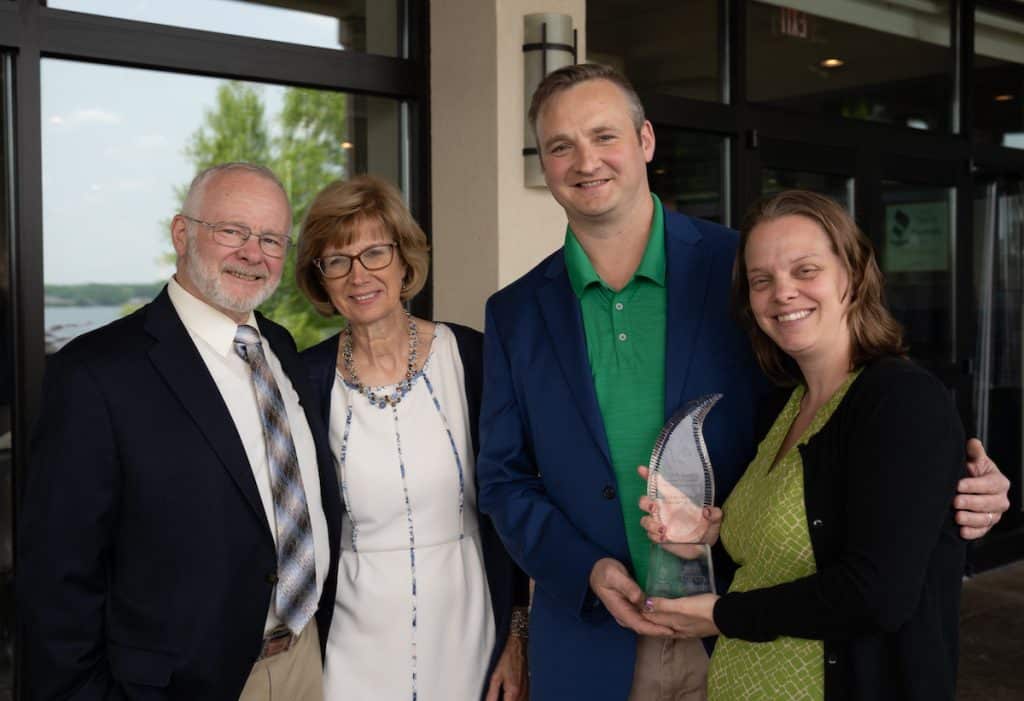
(214, 334)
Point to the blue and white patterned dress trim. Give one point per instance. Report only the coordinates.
(455, 452)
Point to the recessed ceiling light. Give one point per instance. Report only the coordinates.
(1005, 97)
(832, 63)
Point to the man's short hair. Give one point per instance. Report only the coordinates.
(199, 183)
(570, 76)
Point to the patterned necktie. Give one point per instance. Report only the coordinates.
(296, 566)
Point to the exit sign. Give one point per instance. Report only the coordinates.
(793, 23)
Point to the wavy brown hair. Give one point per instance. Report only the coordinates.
(334, 218)
(874, 332)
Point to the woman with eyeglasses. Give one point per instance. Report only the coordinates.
(427, 601)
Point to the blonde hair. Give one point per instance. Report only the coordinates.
(335, 216)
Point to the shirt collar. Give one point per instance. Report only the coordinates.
(213, 326)
(652, 265)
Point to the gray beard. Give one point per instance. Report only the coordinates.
(207, 281)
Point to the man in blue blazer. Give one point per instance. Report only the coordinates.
(156, 560)
(584, 358)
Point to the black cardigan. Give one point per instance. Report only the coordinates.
(509, 586)
(879, 482)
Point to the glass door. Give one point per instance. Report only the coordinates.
(916, 251)
(788, 165)
(998, 276)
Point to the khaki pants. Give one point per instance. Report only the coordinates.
(293, 675)
(668, 669)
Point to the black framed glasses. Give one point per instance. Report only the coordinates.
(235, 235)
(376, 257)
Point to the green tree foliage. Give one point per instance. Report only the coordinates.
(235, 129)
(306, 154)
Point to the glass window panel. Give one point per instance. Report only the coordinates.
(862, 59)
(917, 259)
(664, 46)
(838, 187)
(687, 173)
(116, 163)
(999, 78)
(999, 291)
(6, 393)
(366, 26)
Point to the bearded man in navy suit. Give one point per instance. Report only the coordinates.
(158, 558)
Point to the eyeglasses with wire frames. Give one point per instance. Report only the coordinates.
(375, 257)
(235, 236)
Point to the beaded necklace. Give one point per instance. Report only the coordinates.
(401, 389)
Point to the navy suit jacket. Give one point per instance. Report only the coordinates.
(545, 473)
(146, 562)
(508, 585)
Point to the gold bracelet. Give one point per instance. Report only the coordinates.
(520, 623)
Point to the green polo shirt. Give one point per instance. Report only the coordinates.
(625, 333)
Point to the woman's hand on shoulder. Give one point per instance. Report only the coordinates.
(510, 680)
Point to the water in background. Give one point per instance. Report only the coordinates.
(64, 323)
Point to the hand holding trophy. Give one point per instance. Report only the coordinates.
(680, 499)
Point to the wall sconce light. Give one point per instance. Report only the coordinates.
(549, 43)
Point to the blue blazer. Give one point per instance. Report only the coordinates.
(508, 585)
(545, 473)
(145, 560)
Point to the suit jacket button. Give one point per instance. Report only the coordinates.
(608, 492)
(272, 578)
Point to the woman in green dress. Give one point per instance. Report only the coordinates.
(849, 559)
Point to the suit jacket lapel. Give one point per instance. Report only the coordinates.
(687, 273)
(177, 359)
(564, 322)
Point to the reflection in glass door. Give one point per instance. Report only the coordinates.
(999, 291)
(838, 187)
(688, 173)
(6, 386)
(917, 259)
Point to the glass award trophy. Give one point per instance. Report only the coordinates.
(681, 483)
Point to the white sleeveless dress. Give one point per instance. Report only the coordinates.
(412, 614)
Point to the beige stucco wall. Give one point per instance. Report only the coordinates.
(488, 228)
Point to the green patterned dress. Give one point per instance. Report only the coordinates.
(765, 533)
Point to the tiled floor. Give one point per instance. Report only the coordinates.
(992, 636)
